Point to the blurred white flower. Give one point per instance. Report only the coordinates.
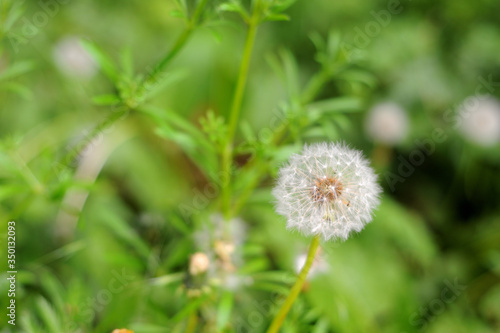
(481, 120)
(328, 190)
(387, 123)
(221, 240)
(198, 263)
(72, 59)
(216, 229)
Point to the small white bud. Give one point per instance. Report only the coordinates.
(481, 120)
(73, 60)
(198, 263)
(387, 123)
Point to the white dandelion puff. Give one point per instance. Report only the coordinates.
(329, 190)
(481, 120)
(387, 122)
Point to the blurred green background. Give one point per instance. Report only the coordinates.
(136, 200)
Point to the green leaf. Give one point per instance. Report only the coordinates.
(127, 63)
(19, 89)
(283, 153)
(408, 231)
(167, 279)
(247, 131)
(16, 69)
(106, 99)
(178, 13)
(279, 6)
(194, 143)
(333, 44)
(182, 5)
(275, 277)
(53, 288)
(255, 265)
(224, 310)
(28, 323)
(105, 63)
(215, 127)
(337, 104)
(321, 326)
(14, 14)
(237, 7)
(179, 224)
(286, 68)
(277, 17)
(271, 287)
(49, 316)
(9, 190)
(192, 306)
(122, 230)
(356, 75)
(162, 81)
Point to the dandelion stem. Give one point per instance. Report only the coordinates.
(227, 154)
(297, 287)
(192, 323)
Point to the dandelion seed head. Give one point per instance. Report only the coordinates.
(329, 190)
(387, 122)
(481, 120)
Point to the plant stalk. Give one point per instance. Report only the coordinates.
(178, 45)
(297, 287)
(310, 93)
(227, 154)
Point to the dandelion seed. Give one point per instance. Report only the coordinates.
(481, 121)
(331, 202)
(387, 123)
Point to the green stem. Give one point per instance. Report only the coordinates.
(178, 45)
(297, 287)
(192, 323)
(310, 93)
(227, 154)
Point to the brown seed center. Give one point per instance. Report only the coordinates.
(327, 189)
